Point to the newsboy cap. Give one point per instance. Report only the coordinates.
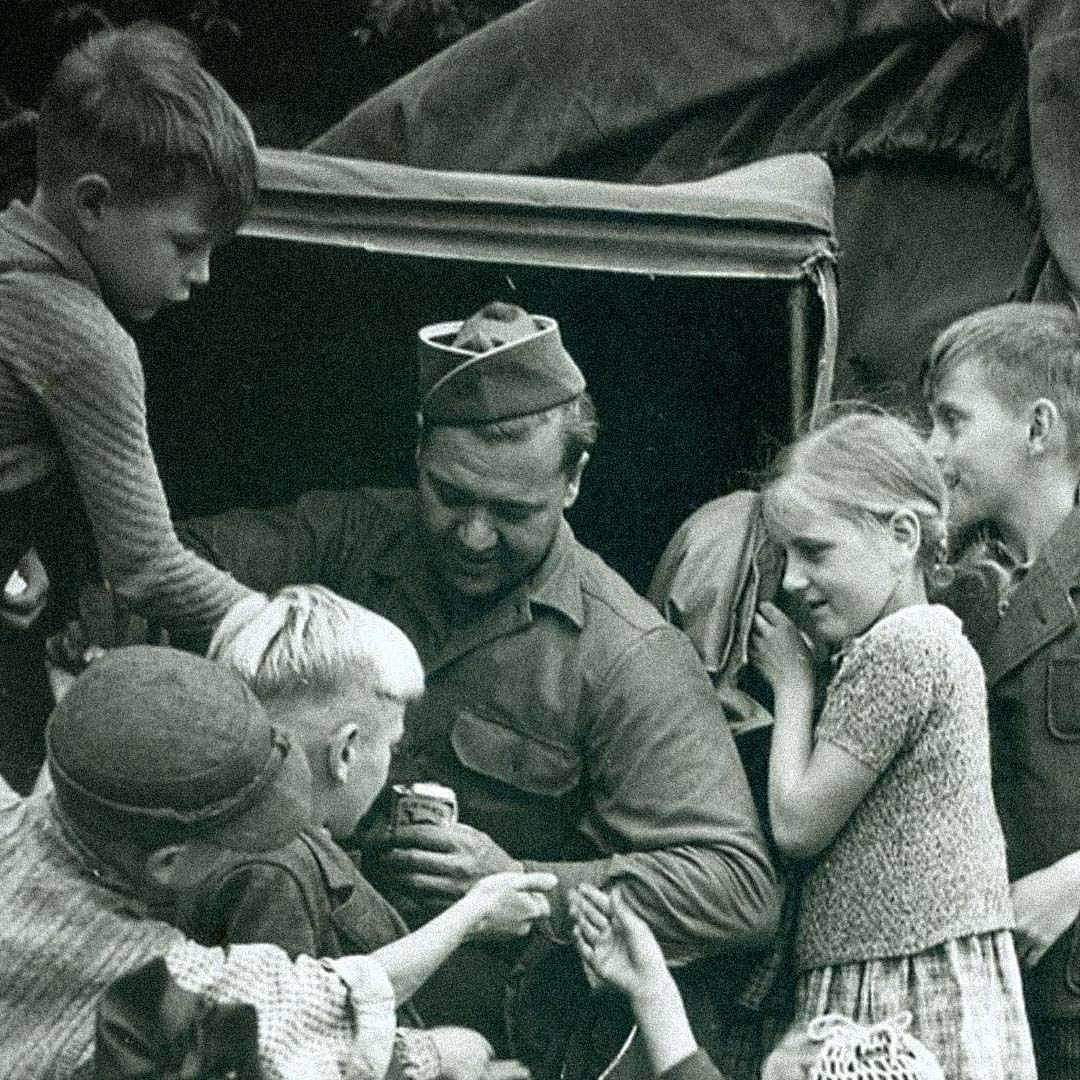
(164, 746)
(500, 363)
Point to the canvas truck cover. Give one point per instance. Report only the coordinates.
(949, 126)
(768, 219)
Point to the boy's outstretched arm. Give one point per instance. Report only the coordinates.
(501, 905)
(618, 949)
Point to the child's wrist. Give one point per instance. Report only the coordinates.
(654, 994)
(473, 914)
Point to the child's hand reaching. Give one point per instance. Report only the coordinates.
(616, 947)
(506, 905)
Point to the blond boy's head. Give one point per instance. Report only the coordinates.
(335, 675)
(1002, 386)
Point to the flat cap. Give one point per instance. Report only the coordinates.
(500, 363)
(165, 746)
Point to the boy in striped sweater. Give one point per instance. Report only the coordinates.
(144, 165)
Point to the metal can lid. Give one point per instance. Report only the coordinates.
(432, 791)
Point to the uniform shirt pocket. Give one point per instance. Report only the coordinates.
(499, 752)
(1063, 698)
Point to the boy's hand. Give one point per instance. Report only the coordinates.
(25, 593)
(104, 623)
(506, 905)
(616, 946)
(25, 464)
(506, 1069)
(1046, 904)
(780, 652)
(464, 1054)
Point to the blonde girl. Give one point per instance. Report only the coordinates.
(887, 798)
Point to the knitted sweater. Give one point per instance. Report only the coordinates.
(70, 378)
(922, 858)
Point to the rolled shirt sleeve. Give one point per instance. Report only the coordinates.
(670, 798)
(308, 540)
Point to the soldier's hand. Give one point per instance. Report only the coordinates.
(442, 862)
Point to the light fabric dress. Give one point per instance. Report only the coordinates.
(908, 909)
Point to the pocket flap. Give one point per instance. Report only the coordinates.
(503, 753)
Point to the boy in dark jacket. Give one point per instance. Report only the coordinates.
(1003, 389)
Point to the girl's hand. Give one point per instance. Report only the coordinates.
(780, 652)
(506, 905)
(616, 947)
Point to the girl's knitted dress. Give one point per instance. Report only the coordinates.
(908, 909)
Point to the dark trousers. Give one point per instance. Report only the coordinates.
(42, 515)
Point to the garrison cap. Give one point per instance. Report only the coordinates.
(500, 363)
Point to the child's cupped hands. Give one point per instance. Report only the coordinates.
(779, 651)
(617, 948)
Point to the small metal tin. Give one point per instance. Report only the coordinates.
(424, 804)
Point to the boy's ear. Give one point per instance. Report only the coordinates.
(91, 192)
(906, 530)
(341, 751)
(574, 484)
(1044, 426)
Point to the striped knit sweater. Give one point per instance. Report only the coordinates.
(65, 937)
(70, 378)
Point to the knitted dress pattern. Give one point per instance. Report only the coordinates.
(908, 909)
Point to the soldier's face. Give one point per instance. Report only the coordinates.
(490, 510)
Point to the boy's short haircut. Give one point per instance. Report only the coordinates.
(306, 639)
(1026, 350)
(135, 106)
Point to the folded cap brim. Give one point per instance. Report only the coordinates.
(516, 378)
(281, 809)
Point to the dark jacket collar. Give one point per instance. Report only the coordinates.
(1041, 608)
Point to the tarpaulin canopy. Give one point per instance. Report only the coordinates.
(768, 219)
(949, 126)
